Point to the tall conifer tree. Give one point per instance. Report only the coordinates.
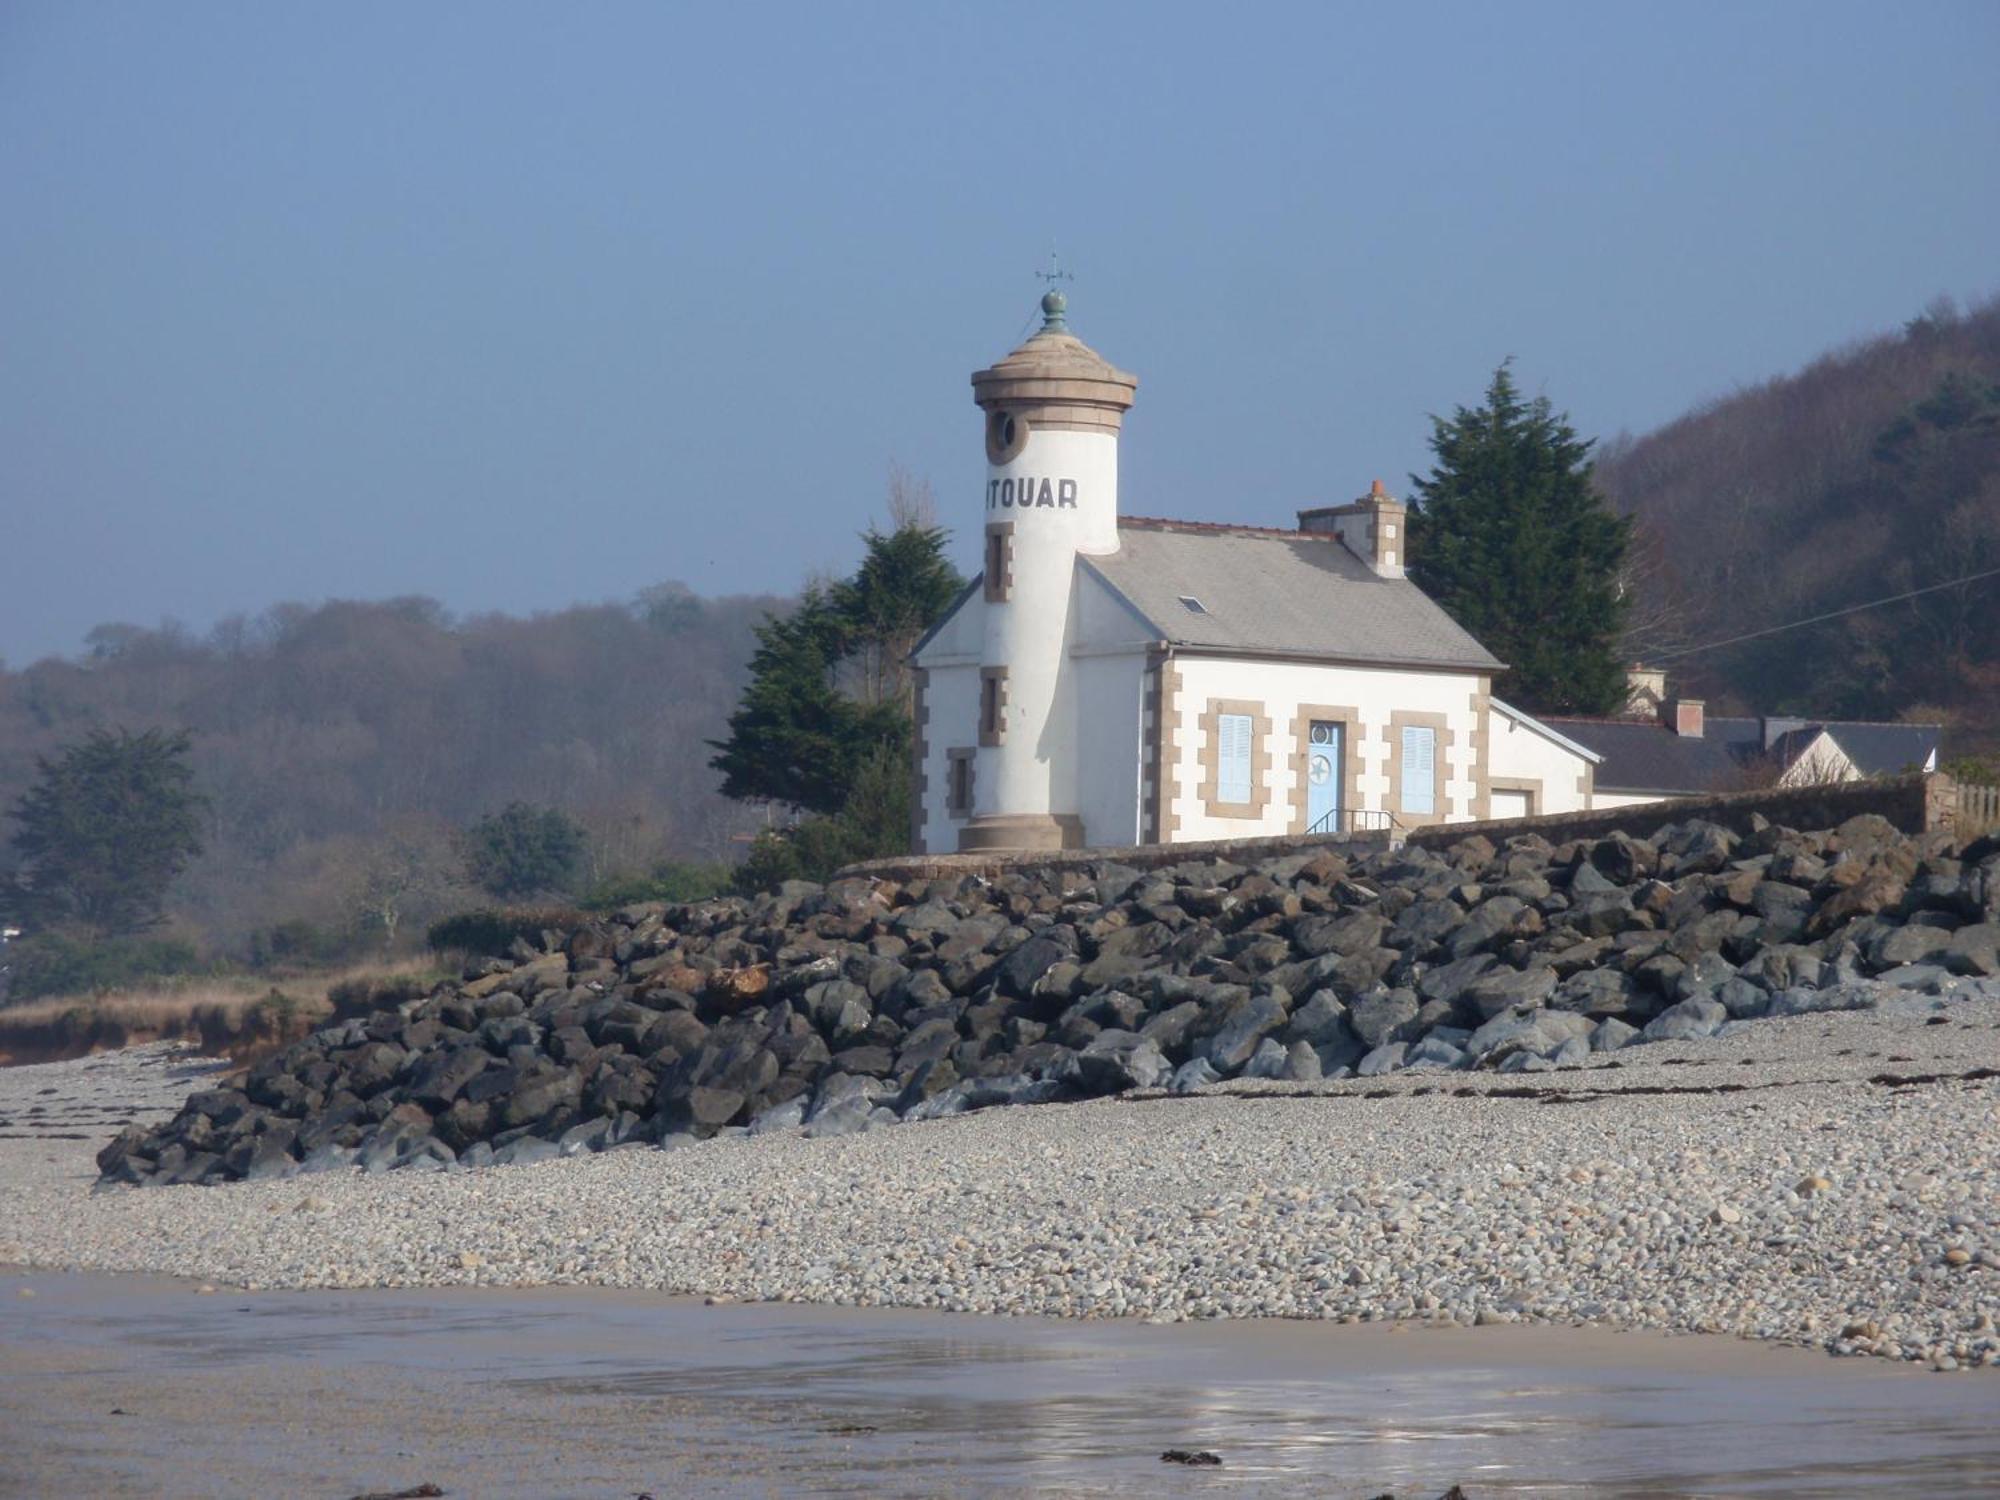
(829, 690)
(1510, 536)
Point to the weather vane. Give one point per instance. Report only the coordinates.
(1054, 304)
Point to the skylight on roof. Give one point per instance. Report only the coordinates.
(1194, 605)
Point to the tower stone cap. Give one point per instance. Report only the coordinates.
(1057, 380)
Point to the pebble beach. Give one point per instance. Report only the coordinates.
(1828, 1180)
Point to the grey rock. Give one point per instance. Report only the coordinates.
(1611, 1034)
(1782, 966)
(1434, 1052)
(329, 1159)
(1976, 949)
(1384, 1059)
(787, 1116)
(1193, 1074)
(1587, 880)
(1540, 1032)
(928, 1081)
(1321, 1021)
(1573, 1053)
(1302, 1064)
(1742, 999)
(1510, 989)
(538, 1094)
(1231, 1046)
(1686, 1021)
(1119, 1060)
(587, 1135)
(1008, 1088)
(527, 1150)
(848, 1115)
(1602, 915)
(1913, 944)
(1925, 979)
(1268, 1061)
(1346, 934)
(1595, 992)
(1801, 1002)
(712, 1107)
(1169, 1029)
(1448, 982)
(1487, 923)
(1387, 1016)
(944, 1103)
(1704, 975)
(1017, 973)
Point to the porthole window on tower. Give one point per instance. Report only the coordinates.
(1006, 436)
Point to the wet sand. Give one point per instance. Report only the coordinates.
(595, 1393)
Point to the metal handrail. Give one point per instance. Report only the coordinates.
(1355, 820)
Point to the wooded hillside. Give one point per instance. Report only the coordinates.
(1874, 470)
(342, 747)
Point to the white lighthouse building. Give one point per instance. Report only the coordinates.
(1111, 680)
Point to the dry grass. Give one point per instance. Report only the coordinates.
(241, 1018)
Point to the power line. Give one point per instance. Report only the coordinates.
(1852, 609)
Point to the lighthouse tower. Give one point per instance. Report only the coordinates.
(1053, 410)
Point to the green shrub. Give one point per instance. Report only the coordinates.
(668, 882)
(300, 944)
(56, 963)
(490, 931)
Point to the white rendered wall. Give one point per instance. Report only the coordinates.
(1602, 799)
(1515, 752)
(1822, 763)
(951, 703)
(1061, 495)
(1111, 752)
(1375, 693)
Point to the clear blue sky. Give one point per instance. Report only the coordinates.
(523, 305)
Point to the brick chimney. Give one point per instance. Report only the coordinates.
(1683, 716)
(1374, 528)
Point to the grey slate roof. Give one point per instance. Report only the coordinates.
(1644, 755)
(1288, 592)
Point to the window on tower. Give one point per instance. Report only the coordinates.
(992, 705)
(999, 567)
(958, 786)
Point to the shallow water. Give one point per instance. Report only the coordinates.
(576, 1392)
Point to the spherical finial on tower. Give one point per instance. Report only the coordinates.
(1054, 305)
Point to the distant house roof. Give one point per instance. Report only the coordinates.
(1644, 755)
(1295, 593)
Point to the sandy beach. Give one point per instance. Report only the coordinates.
(1827, 1180)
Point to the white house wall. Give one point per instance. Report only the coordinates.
(1519, 759)
(950, 720)
(1599, 800)
(1110, 716)
(1821, 763)
(961, 635)
(1375, 694)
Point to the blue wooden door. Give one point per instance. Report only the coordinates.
(1323, 777)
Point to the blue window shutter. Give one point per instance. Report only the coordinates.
(1233, 758)
(1419, 769)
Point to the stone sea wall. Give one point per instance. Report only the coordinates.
(839, 1008)
(1920, 802)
